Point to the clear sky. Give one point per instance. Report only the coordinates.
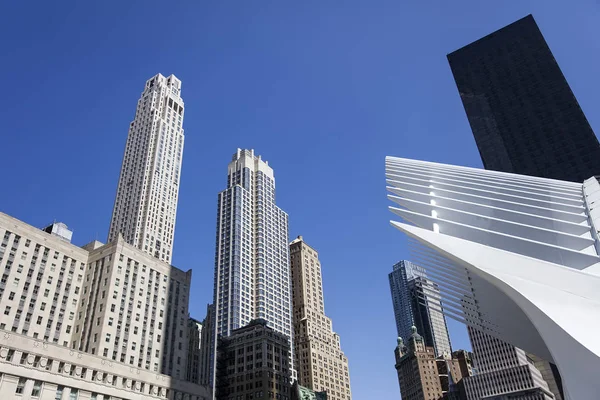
(323, 90)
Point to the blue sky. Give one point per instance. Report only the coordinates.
(322, 90)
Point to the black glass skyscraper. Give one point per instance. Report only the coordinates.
(523, 114)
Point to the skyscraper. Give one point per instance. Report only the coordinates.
(146, 202)
(252, 270)
(524, 116)
(503, 370)
(417, 303)
(316, 345)
(89, 321)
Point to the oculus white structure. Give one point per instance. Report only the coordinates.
(514, 256)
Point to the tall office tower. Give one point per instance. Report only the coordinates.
(503, 370)
(146, 202)
(134, 309)
(253, 363)
(96, 322)
(316, 345)
(417, 303)
(421, 374)
(252, 270)
(523, 114)
(194, 335)
(42, 280)
(207, 340)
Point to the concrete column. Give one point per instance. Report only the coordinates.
(48, 391)
(9, 384)
(84, 395)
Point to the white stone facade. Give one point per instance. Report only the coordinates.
(41, 284)
(134, 309)
(146, 201)
(320, 362)
(112, 300)
(33, 369)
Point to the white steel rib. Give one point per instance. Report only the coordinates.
(512, 255)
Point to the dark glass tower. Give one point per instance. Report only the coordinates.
(523, 114)
(416, 303)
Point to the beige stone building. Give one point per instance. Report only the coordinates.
(146, 202)
(320, 362)
(422, 375)
(113, 302)
(134, 309)
(32, 369)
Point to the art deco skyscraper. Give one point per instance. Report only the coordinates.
(523, 114)
(416, 301)
(252, 270)
(320, 361)
(146, 202)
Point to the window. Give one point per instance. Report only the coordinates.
(59, 392)
(73, 395)
(37, 388)
(7, 310)
(108, 337)
(11, 295)
(21, 385)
